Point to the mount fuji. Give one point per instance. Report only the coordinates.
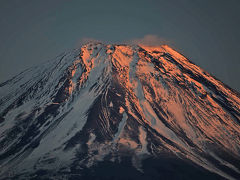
(116, 111)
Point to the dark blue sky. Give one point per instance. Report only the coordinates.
(206, 31)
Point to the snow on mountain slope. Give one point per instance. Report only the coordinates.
(105, 103)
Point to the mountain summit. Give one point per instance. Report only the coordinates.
(119, 112)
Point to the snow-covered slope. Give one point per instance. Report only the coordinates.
(120, 105)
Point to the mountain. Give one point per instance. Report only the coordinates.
(119, 112)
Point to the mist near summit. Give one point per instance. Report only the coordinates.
(148, 40)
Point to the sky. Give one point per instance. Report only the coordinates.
(205, 31)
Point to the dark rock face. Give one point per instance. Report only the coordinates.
(119, 112)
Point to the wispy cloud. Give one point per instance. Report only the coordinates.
(148, 40)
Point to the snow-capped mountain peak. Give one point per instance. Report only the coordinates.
(119, 104)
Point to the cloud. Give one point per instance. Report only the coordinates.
(148, 40)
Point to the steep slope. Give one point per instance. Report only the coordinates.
(103, 107)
